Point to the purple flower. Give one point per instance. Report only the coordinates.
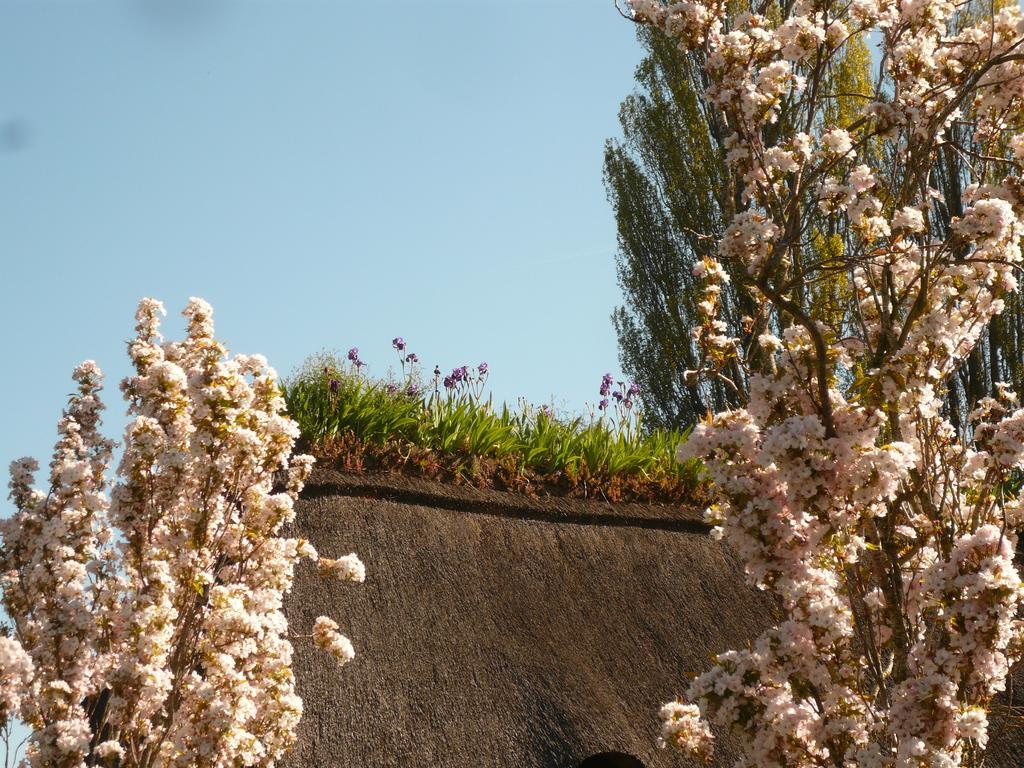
(603, 404)
(460, 374)
(334, 384)
(482, 368)
(398, 343)
(606, 384)
(353, 354)
(634, 388)
(617, 395)
(411, 358)
(391, 388)
(628, 403)
(547, 411)
(412, 391)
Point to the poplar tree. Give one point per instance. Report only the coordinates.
(672, 193)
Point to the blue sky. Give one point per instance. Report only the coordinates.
(325, 173)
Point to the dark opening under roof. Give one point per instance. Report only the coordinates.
(611, 760)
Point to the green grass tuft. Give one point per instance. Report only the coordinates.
(333, 401)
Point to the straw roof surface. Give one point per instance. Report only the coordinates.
(496, 630)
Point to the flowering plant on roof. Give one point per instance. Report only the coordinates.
(617, 411)
(146, 622)
(885, 530)
(464, 381)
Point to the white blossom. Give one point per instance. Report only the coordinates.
(884, 532)
(327, 637)
(348, 568)
(154, 604)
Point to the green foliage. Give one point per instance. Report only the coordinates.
(830, 295)
(458, 424)
(672, 194)
(357, 406)
(851, 82)
(330, 402)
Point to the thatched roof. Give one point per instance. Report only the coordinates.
(495, 630)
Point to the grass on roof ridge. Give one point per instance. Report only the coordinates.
(453, 434)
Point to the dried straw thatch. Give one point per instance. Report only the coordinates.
(496, 630)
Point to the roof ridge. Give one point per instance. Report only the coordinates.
(403, 489)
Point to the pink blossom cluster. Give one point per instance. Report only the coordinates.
(885, 531)
(683, 728)
(147, 625)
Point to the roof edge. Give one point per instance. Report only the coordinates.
(403, 489)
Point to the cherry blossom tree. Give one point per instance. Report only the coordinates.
(885, 532)
(146, 611)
